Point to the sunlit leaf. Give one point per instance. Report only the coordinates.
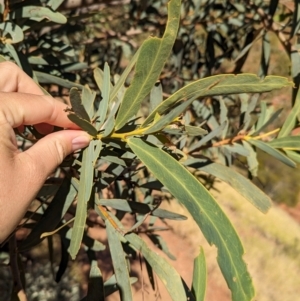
(221, 85)
(119, 262)
(168, 118)
(273, 152)
(291, 119)
(167, 274)
(290, 142)
(88, 98)
(150, 62)
(214, 224)
(45, 78)
(84, 193)
(116, 88)
(241, 184)
(103, 106)
(39, 13)
(12, 32)
(156, 96)
(199, 276)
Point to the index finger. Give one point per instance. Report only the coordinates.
(28, 109)
(13, 79)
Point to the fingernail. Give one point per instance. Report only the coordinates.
(80, 142)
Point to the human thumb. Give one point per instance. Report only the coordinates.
(45, 155)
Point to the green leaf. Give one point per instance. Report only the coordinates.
(272, 151)
(293, 155)
(129, 206)
(262, 117)
(88, 98)
(13, 30)
(156, 96)
(83, 124)
(194, 130)
(53, 214)
(290, 142)
(84, 193)
(238, 182)
(153, 54)
(251, 159)
(296, 19)
(38, 13)
(221, 85)
(291, 119)
(166, 273)
(119, 262)
(95, 286)
(110, 286)
(268, 122)
(213, 223)
(119, 84)
(163, 121)
(77, 106)
(45, 78)
(214, 133)
(199, 276)
(103, 106)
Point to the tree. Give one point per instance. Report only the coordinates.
(173, 144)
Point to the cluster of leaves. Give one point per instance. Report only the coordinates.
(142, 144)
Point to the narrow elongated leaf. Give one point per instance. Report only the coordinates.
(95, 286)
(273, 152)
(238, 149)
(111, 286)
(38, 12)
(268, 122)
(167, 274)
(241, 184)
(293, 155)
(129, 206)
(291, 119)
(45, 78)
(296, 19)
(194, 130)
(215, 133)
(103, 106)
(156, 96)
(223, 117)
(53, 214)
(88, 98)
(290, 142)
(84, 193)
(213, 223)
(119, 262)
(199, 277)
(153, 54)
(119, 84)
(262, 117)
(265, 55)
(251, 159)
(221, 85)
(168, 118)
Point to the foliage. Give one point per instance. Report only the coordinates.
(141, 145)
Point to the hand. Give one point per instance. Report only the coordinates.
(22, 174)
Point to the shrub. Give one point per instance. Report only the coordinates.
(142, 144)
